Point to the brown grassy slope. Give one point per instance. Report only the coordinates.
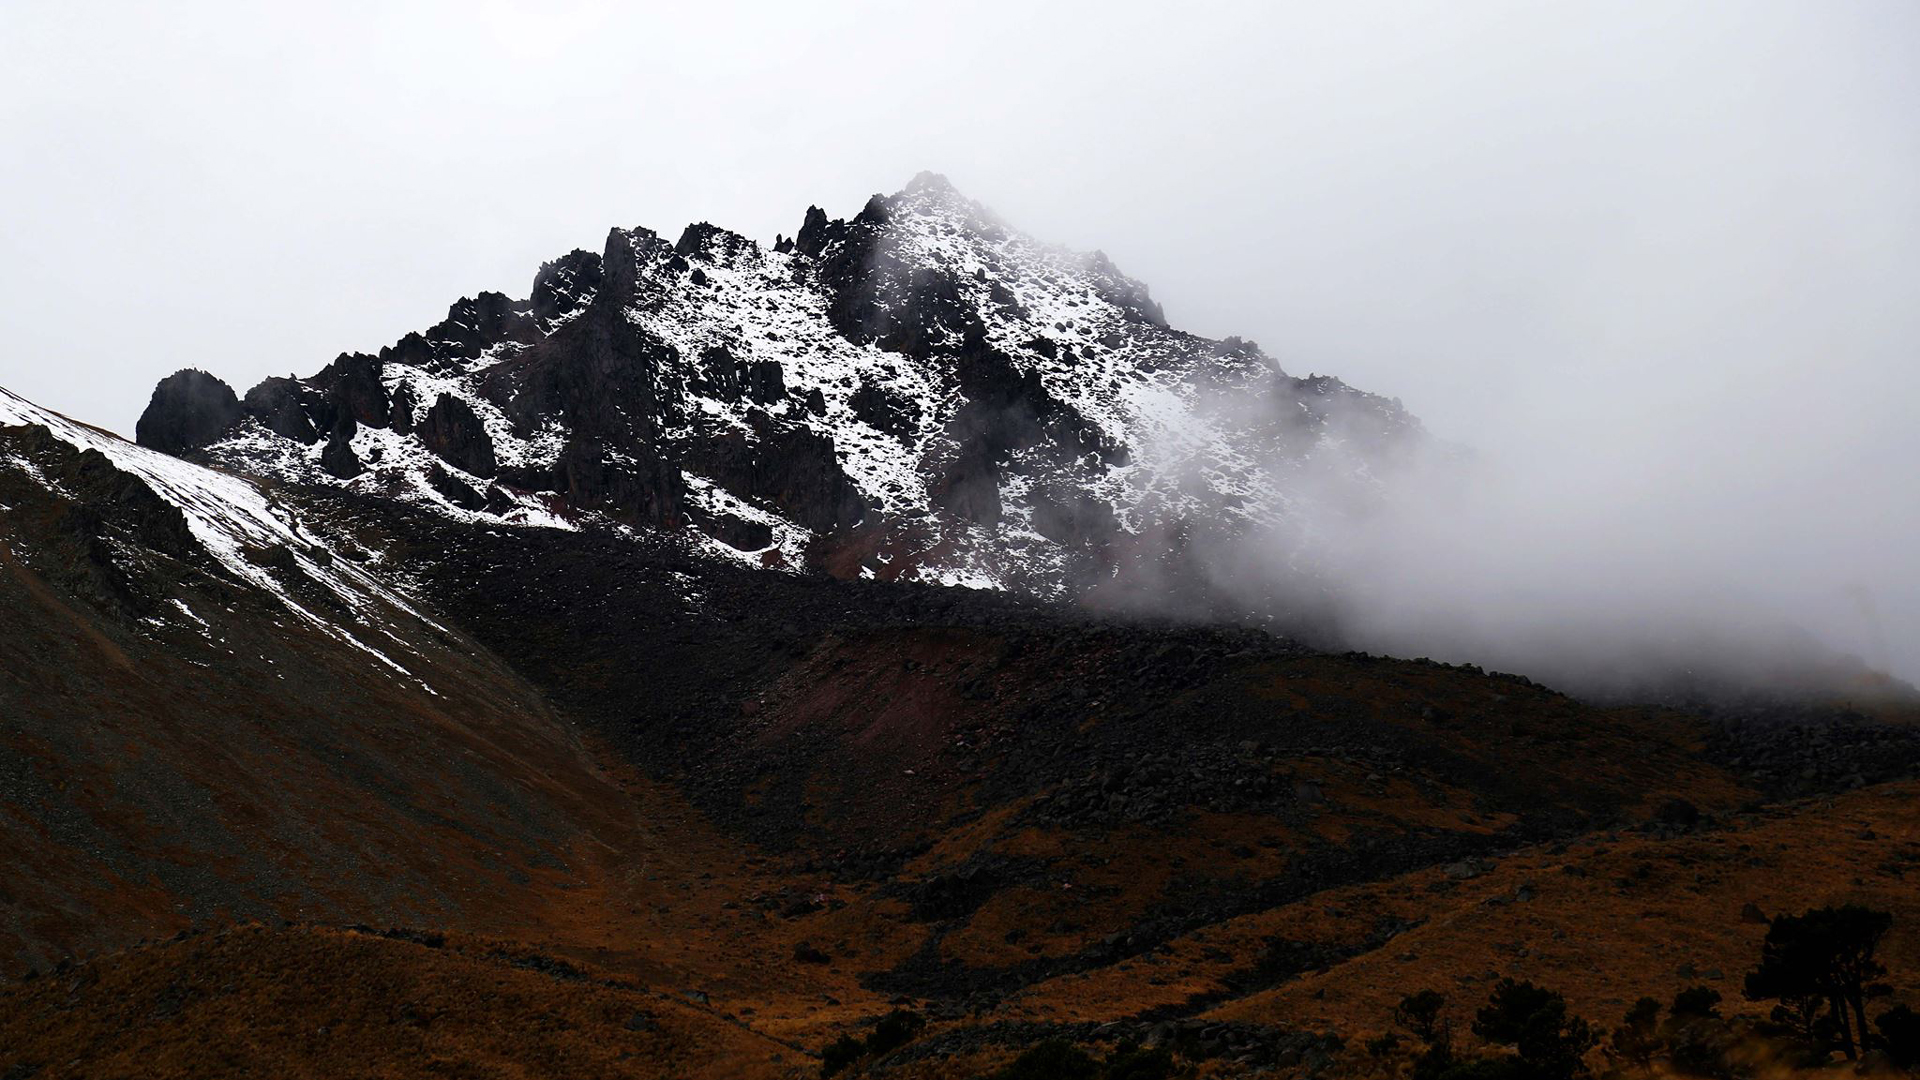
(156, 773)
(305, 1002)
(1605, 920)
(213, 1005)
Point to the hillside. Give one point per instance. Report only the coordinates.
(694, 663)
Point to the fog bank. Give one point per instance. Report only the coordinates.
(1654, 262)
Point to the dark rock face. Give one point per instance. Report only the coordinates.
(644, 490)
(337, 457)
(1123, 292)
(766, 382)
(454, 433)
(725, 376)
(791, 466)
(1004, 411)
(457, 491)
(102, 508)
(814, 233)
(734, 531)
(188, 410)
(351, 388)
(721, 374)
(885, 410)
(475, 324)
(276, 403)
(599, 374)
(565, 285)
(702, 240)
(404, 407)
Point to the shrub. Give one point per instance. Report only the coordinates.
(1420, 1013)
(1053, 1060)
(1549, 1044)
(1900, 1035)
(890, 1032)
(896, 1029)
(1637, 1039)
(1130, 1062)
(841, 1053)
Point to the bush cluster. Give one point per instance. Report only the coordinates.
(1818, 968)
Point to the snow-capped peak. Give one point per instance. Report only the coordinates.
(917, 391)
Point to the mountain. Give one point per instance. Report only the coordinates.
(918, 393)
(579, 688)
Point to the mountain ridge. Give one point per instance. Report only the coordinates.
(918, 391)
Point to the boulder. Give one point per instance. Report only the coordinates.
(189, 409)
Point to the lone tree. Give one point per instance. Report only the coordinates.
(1822, 957)
(1550, 1044)
(1419, 1013)
(1637, 1039)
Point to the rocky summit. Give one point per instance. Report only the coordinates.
(919, 392)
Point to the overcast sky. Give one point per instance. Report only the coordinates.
(1668, 253)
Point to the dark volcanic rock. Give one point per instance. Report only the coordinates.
(791, 466)
(188, 410)
(404, 407)
(734, 531)
(337, 457)
(352, 387)
(475, 324)
(565, 285)
(766, 383)
(641, 490)
(455, 434)
(885, 410)
(276, 403)
(457, 491)
(99, 516)
(599, 373)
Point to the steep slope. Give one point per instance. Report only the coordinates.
(818, 798)
(210, 710)
(918, 392)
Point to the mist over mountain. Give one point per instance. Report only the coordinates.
(922, 392)
(1341, 542)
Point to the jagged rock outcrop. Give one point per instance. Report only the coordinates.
(790, 466)
(565, 285)
(918, 391)
(455, 434)
(189, 409)
(639, 489)
(338, 457)
(277, 403)
(352, 389)
(103, 511)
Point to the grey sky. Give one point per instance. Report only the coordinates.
(1660, 257)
